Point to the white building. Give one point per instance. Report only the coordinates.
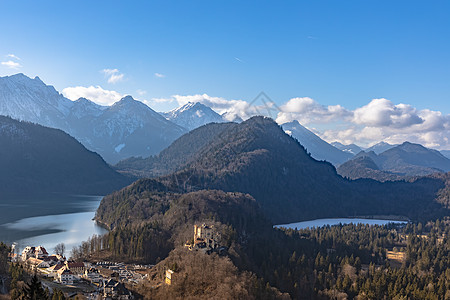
(92, 275)
(65, 276)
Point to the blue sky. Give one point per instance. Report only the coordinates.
(336, 52)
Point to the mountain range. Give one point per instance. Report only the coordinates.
(257, 157)
(396, 163)
(35, 159)
(127, 128)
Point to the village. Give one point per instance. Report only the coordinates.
(103, 280)
(100, 280)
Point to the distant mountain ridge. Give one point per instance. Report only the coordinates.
(318, 148)
(193, 115)
(127, 128)
(351, 148)
(380, 147)
(34, 158)
(405, 160)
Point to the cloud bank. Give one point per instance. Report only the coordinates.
(94, 93)
(379, 120)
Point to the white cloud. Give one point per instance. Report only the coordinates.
(11, 64)
(113, 75)
(159, 75)
(379, 120)
(306, 110)
(382, 113)
(13, 56)
(94, 93)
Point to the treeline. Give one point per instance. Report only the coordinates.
(351, 261)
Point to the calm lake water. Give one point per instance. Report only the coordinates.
(66, 219)
(331, 222)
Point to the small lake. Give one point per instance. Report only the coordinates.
(69, 221)
(337, 221)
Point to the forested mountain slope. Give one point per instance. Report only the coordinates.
(258, 158)
(35, 159)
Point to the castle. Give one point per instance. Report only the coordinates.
(205, 238)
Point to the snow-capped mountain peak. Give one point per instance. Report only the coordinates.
(127, 128)
(192, 115)
(32, 100)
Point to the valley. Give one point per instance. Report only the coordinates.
(285, 208)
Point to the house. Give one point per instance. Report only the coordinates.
(116, 290)
(92, 275)
(53, 259)
(65, 276)
(75, 267)
(27, 253)
(40, 252)
(53, 270)
(36, 252)
(35, 263)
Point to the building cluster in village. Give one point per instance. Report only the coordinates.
(107, 278)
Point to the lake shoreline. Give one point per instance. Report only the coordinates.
(336, 221)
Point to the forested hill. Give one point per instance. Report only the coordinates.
(181, 152)
(399, 162)
(34, 159)
(258, 158)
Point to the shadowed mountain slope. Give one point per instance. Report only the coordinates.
(34, 159)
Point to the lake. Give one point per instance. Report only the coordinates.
(49, 220)
(337, 221)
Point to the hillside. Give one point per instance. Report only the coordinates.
(181, 152)
(258, 158)
(318, 148)
(363, 166)
(35, 159)
(413, 159)
(400, 162)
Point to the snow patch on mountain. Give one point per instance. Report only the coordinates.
(119, 147)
